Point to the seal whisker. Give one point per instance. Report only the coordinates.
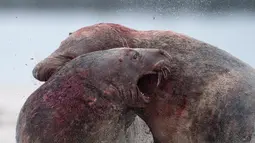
(166, 72)
(167, 69)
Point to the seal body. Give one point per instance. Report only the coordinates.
(88, 99)
(208, 97)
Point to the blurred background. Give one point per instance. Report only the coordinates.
(32, 29)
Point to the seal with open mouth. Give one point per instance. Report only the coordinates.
(208, 97)
(87, 100)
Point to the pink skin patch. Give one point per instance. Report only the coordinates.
(83, 73)
(180, 108)
(91, 101)
(110, 90)
(107, 92)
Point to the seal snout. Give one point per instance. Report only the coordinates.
(42, 72)
(35, 72)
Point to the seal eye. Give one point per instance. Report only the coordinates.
(136, 55)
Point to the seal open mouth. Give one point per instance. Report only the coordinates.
(150, 81)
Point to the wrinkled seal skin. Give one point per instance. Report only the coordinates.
(208, 97)
(87, 100)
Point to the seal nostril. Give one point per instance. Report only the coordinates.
(162, 52)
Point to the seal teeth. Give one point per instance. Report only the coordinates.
(159, 78)
(142, 95)
(137, 90)
(168, 70)
(164, 73)
(146, 99)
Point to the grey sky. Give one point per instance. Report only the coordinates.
(36, 34)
